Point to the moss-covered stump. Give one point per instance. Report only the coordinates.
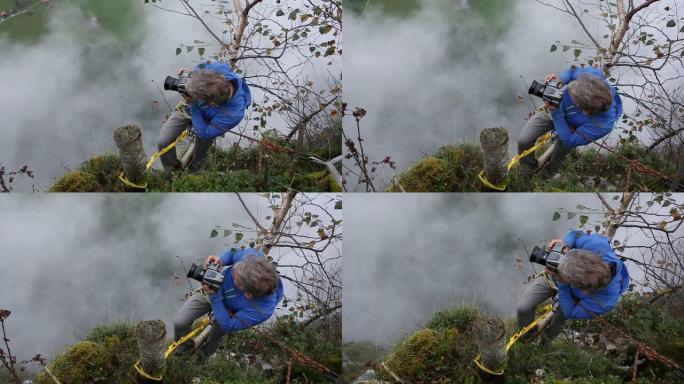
(76, 181)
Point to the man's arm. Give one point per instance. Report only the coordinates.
(583, 135)
(220, 124)
(227, 258)
(570, 309)
(242, 319)
(581, 309)
(570, 239)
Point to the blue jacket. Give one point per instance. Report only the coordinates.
(569, 115)
(232, 310)
(576, 304)
(210, 122)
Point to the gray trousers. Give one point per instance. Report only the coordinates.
(536, 126)
(172, 128)
(196, 306)
(538, 291)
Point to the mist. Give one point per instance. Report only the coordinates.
(408, 256)
(430, 79)
(66, 93)
(71, 262)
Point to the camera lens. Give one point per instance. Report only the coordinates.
(195, 272)
(536, 88)
(171, 84)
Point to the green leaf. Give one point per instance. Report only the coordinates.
(583, 220)
(200, 51)
(214, 233)
(338, 204)
(671, 23)
(323, 29)
(189, 48)
(280, 12)
(556, 216)
(238, 236)
(178, 51)
(554, 48)
(226, 232)
(571, 215)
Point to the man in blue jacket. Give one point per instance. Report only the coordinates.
(588, 110)
(216, 100)
(588, 284)
(250, 292)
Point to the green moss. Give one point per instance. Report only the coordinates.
(460, 318)
(106, 169)
(84, 362)
(76, 181)
(428, 175)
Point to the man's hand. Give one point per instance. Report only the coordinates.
(213, 259)
(550, 107)
(554, 242)
(551, 76)
(208, 290)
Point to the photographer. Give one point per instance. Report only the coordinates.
(216, 100)
(248, 296)
(588, 283)
(587, 111)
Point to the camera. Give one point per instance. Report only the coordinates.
(210, 276)
(551, 259)
(551, 92)
(178, 85)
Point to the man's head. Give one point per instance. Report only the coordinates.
(585, 270)
(255, 276)
(591, 94)
(210, 86)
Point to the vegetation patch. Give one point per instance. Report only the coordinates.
(454, 168)
(588, 352)
(108, 353)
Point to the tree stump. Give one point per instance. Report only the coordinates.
(490, 337)
(494, 143)
(150, 335)
(132, 153)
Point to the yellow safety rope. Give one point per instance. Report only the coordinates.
(158, 154)
(545, 138)
(204, 323)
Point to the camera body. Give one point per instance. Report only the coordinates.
(179, 84)
(210, 276)
(551, 92)
(551, 259)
